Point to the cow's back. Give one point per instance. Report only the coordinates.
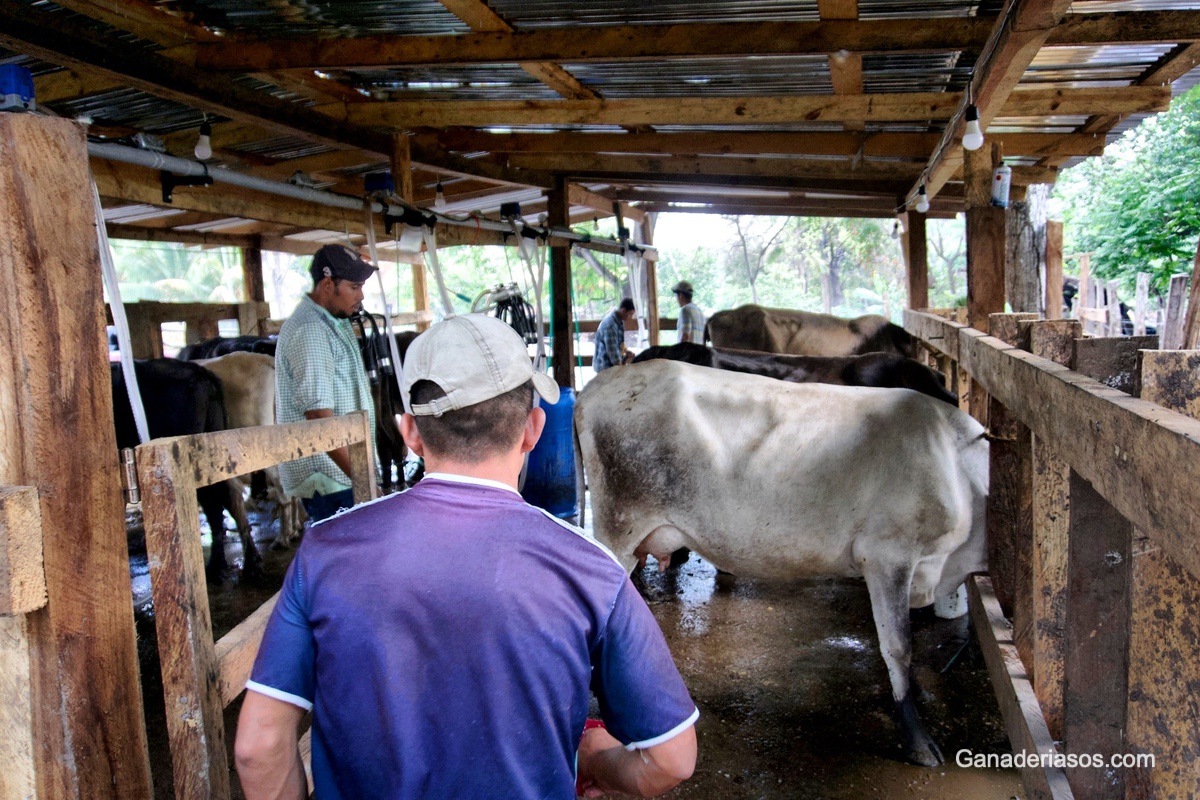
(248, 385)
(806, 333)
(775, 479)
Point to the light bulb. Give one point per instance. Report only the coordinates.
(439, 199)
(203, 149)
(922, 200)
(973, 138)
(896, 229)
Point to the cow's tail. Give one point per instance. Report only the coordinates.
(707, 332)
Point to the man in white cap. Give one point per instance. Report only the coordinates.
(691, 318)
(445, 639)
(319, 373)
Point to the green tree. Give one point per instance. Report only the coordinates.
(1137, 208)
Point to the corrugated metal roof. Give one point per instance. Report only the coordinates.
(303, 18)
(708, 77)
(491, 82)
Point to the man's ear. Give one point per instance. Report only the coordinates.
(412, 436)
(534, 424)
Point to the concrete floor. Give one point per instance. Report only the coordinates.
(793, 694)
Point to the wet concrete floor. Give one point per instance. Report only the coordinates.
(794, 698)
(793, 694)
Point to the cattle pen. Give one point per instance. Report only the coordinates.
(403, 129)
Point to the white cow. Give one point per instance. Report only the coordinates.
(779, 480)
(248, 381)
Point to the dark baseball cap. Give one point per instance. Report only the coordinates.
(340, 263)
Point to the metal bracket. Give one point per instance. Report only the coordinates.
(129, 477)
(170, 180)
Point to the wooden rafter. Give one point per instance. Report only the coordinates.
(629, 42)
(873, 145)
(790, 109)
(590, 164)
(1019, 33)
(845, 68)
(60, 41)
(480, 17)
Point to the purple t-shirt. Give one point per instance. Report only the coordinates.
(446, 639)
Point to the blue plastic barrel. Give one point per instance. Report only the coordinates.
(550, 474)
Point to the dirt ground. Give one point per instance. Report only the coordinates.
(793, 693)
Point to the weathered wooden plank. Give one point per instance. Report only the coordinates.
(213, 457)
(1096, 670)
(18, 776)
(1191, 326)
(56, 418)
(1054, 269)
(362, 459)
(235, 651)
(938, 332)
(1172, 332)
(1141, 303)
(1164, 650)
(1053, 340)
(22, 577)
(1023, 720)
(1009, 502)
(1128, 443)
(916, 261)
(195, 723)
(253, 285)
(1112, 361)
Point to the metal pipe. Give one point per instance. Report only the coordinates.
(187, 167)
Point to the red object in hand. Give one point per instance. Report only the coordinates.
(587, 726)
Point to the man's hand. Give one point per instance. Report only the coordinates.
(265, 751)
(340, 456)
(605, 766)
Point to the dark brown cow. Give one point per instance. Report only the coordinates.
(872, 369)
(803, 333)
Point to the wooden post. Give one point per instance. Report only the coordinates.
(1164, 648)
(1099, 577)
(1112, 360)
(85, 700)
(254, 288)
(403, 178)
(986, 252)
(1171, 333)
(1141, 303)
(1009, 502)
(1113, 302)
(917, 261)
(559, 213)
(1054, 340)
(1084, 298)
(1054, 270)
(145, 332)
(1191, 328)
(651, 279)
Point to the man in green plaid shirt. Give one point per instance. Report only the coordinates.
(319, 373)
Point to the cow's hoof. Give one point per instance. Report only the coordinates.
(924, 753)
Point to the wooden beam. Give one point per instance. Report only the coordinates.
(560, 281)
(61, 41)
(1054, 270)
(253, 285)
(494, 41)
(87, 724)
(323, 162)
(578, 196)
(1016, 38)
(138, 233)
(870, 145)
(901, 107)
(68, 84)
(22, 575)
(716, 165)
(916, 261)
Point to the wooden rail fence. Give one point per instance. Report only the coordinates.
(1093, 521)
(201, 677)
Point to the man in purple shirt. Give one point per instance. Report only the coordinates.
(446, 638)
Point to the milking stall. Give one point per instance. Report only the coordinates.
(1064, 452)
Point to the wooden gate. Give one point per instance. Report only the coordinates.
(201, 677)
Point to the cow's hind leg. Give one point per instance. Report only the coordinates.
(213, 505)
(889, 586)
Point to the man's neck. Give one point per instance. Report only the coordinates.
(506, 469)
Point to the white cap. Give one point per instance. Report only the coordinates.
(472, 358)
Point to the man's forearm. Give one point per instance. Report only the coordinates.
(340, 455)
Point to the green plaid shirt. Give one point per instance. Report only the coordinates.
(318, 365)
(691, 324)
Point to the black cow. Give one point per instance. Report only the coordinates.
(223, 346)
(870, 369)
(377, 360)
(181, 399)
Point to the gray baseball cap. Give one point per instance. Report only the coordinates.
(472, 358)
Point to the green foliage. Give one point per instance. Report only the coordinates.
(178, 274)
(1137, 208)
